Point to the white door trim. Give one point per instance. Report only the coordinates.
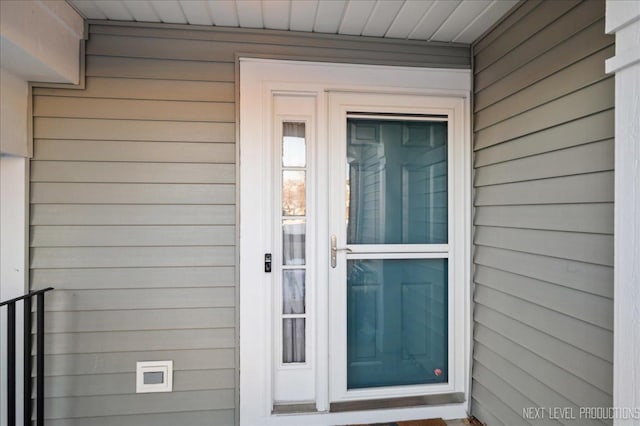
(259, 79)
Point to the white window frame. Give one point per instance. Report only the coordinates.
(295, 377)
(259, 80)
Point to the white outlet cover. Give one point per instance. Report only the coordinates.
(154, 370)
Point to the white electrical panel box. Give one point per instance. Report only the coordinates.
(154, 376)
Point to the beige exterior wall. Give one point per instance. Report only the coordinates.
(133, 215)
(543, 129)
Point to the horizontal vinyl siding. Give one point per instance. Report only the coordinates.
(133, 216)
(543, 163)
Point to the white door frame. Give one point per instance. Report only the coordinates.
(259, 79)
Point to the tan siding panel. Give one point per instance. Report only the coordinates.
(123, 278)
(590, 188)
(583, 44)
(137, 130)
(121, 384)
(587, 337)
(508, 21)
(131, 193)
(126, 109)
(535, 20)
(135, 152)
(139, 319)
(595, 98)
(88, 406)
(200, 50)
(589, 368)
(272, 39)
(553, 375)
(590, 308)
(589, 158)
(576, 76)
(124, 341)
(510, 392)
(590, 218)
(140, 236)
(592, 248)
(486, 398)
(80, 171)
(484, 413)
(175, 49)
(587, 129)
(125, 362)
(503, 391)
(122, 299)
(572, 22)
(585, 277)
(540, 393)
(68, 214)
(182, 418)
(130, 88)
(159, 69)
(106, 257)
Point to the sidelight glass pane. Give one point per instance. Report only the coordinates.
(293, 193)
(294, 241)
(293, 340)
(293, 290)
(397, 182)
(294, 150)
(396, 322)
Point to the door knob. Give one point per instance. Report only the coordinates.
(335, 249)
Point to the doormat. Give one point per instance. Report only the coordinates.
(428, 422)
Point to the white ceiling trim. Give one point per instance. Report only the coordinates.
(460, 21)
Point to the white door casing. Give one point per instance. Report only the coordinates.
(322, 85)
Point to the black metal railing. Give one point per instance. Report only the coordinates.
(27, 300)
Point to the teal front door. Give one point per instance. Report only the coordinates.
(396, 284)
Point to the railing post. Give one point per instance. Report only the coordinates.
(11, 363)
(27, 357)
(40, 362)
(26, 378)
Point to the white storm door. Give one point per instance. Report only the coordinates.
(393, 284)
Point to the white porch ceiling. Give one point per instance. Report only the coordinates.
(460, 21)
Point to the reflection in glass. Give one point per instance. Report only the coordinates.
(293, 241)
(396, 182)
(293, 337)
(293, 193)
(293, 145)
(293, 290)
(396, 322)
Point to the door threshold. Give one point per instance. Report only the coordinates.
(423, 422)
(304, 408)
(404, 402)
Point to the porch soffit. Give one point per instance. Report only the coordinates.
(449, 21)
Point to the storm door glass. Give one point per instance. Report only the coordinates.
(397, 268)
